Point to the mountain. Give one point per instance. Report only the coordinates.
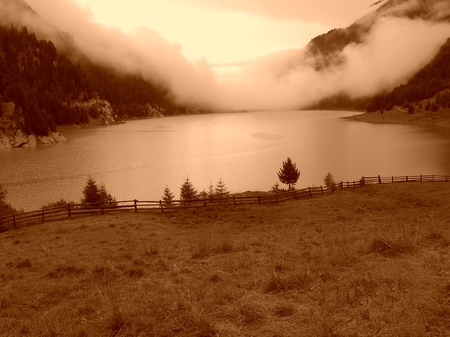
(46, 81)
(326, 51)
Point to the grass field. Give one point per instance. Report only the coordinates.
(373, 261)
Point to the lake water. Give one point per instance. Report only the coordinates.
(138, 159)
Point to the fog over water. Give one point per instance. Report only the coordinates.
(139, 158)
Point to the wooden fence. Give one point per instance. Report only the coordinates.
(76, 210)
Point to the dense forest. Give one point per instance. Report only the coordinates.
(45, 83)
(430, 80)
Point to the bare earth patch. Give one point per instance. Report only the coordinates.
(373, 261)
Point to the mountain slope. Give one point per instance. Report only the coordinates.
(327, 52)
(46, 83)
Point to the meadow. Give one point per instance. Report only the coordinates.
(372, 261)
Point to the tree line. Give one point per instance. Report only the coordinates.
(97, 194)
(44, 83)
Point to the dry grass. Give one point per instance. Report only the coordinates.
(367, 262)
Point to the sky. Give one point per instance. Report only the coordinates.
(224, 31)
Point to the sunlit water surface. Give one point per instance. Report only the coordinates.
(138, 159)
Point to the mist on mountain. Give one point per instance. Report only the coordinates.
(379, 52)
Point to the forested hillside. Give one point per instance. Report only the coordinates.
(430, 80)
(45, 84)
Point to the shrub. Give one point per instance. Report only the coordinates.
(58, 203)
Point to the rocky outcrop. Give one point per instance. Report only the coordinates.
(154, 112)
(100, 111)
(12, 123)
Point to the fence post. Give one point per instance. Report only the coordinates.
(420, 178)
(406, 178)
(161, 205)
(68, 210)
(135, 206)
(310, 194)
(379, 179)
(259, 200)
(321, 189)
(14, 220)
(43, 219)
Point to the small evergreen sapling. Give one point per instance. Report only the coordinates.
(329, 180)
(221, 190)
(168, 196)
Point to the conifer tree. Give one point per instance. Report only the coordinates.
(221, 190)
(104, 197)
(91, 192)
(289, 173)
(168, 196)
(188, 191)
(329, 180)
(211, 192)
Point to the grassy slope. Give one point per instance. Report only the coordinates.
(401, 116)
(365, 262)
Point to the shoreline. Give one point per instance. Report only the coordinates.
(399, 116)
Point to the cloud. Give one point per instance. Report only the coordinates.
(393, 50)
(143, 51)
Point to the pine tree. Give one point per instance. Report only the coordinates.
(188, 191)
(211, 192)
(221, 190)
(168, 196)
(104, 197)
(91, 192)
(289, 173)
(276, 188)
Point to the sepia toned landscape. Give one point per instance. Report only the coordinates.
(225, 168)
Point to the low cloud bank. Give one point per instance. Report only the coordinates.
(391, 53)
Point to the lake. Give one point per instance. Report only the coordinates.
(138, 159)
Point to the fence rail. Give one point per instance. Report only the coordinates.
(74, 210)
